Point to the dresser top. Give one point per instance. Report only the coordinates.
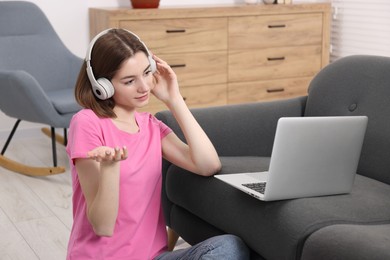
(209, 10)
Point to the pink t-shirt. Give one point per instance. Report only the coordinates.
(140, 226)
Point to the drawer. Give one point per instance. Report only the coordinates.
(198, 68)
(274, 63)
(276, 30)
(267, 90)
(196, 96)
(205, 95)
(181, 35)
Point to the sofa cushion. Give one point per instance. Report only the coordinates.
(349, 242)
(276, 229)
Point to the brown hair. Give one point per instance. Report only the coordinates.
(107, 56)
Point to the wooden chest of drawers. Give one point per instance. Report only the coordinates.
(231, 54)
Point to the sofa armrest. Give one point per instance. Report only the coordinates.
(241, 130)
(235, 130)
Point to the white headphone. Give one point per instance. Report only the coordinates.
(102, 87)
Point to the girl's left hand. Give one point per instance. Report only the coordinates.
(108, 154)
(166, 86)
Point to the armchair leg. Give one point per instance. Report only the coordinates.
(10, 136)
(65, 136)
(25, 169)
(60, 139)
(55, 138)
(53, 146)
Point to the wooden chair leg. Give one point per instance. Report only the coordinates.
(29, 170)
(22, 168)
(172, 239)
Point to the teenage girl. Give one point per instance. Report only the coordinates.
(116, 154)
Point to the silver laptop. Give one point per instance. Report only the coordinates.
(311, 156)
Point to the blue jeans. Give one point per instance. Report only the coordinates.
(224, 247)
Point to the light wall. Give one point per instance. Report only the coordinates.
(70, 20)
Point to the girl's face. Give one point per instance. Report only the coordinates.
(133, 82)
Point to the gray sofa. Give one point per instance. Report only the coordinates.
(350, 226)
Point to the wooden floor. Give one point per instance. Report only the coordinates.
(36, 212)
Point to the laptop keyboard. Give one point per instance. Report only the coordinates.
(258, 186)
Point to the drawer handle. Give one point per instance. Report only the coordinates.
(277, 26)
(274, 90)
(177, 65)
(176, 31)
(275, 58)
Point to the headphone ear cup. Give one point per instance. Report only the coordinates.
(153, 65)
(103, 89)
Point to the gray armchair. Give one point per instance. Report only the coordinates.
(349, 227)
(37, 76)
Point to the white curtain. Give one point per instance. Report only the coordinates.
(360, 27)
